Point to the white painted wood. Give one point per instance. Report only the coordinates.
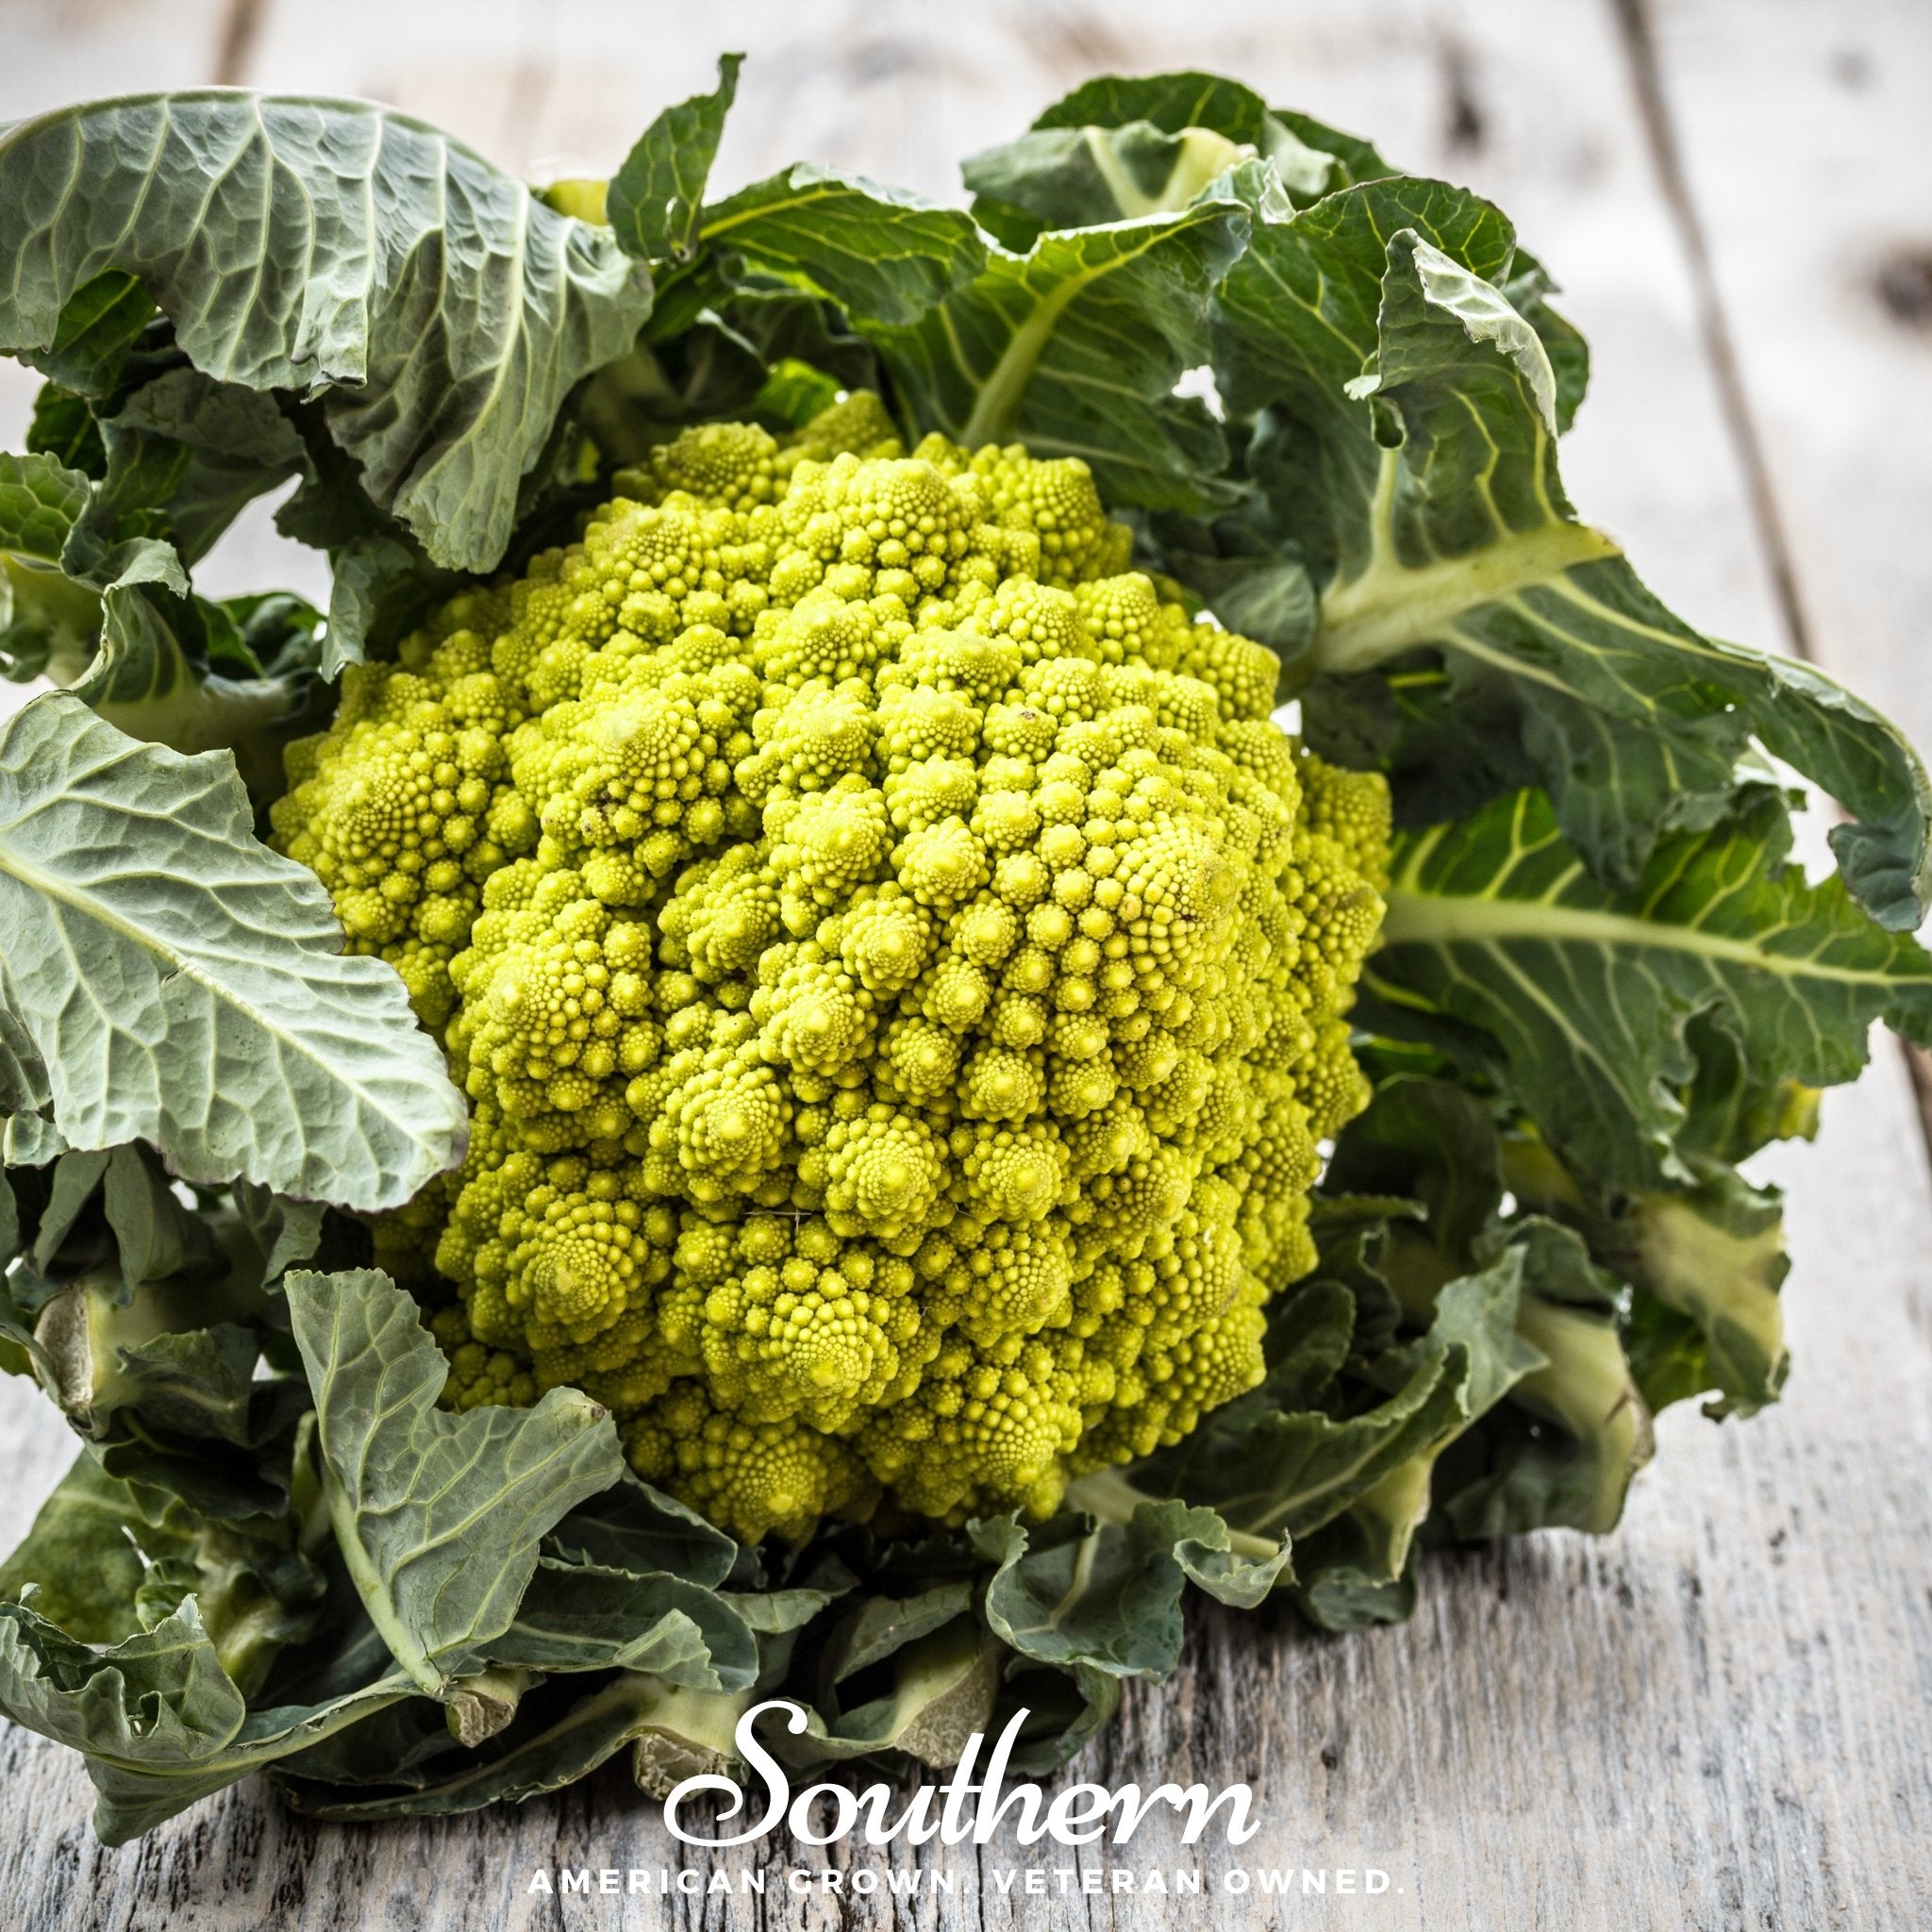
(1715, 1717)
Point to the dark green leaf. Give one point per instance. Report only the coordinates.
(381, 588)
(1338, 1588)
(632, 1526)
(880, 1626)
(189, 454)
(158, 1698)
(1075, 349)
(100, 322)
(1528, 291)
(580, 1617)
(784, 324)
(1170, 101)
(138, 1791)
(677, 1734)
(1563, 1449)
(1107, 1595)
(1271, 1470)
(945, 1684)
(1356, 160)
(63, 427)
(1432, 1142)
(1256, 584)
(154, 1235)
(1426, 492)
(48, 624)
(1310, 1330)
(884, 254)
(1497, 923)
(89, 1545)
(1715, 1254)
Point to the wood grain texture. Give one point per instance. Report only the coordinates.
(1714, 1718)
(1805, 148)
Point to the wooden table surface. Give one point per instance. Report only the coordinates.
(1717, 1716)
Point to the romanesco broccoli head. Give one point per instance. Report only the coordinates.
(897, 967)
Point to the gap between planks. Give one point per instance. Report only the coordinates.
(1638, 33)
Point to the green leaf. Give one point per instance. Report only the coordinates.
(1107, 1595)
(1730, 1113)
(944, 1685)
(158, 1698)
(76, 1177)
(1356, 159)
(1256, 585)
(581, 1617)
(89, 1545)
(654, 199)
(1083, 178)
(1415, 465)
(1308, 158)
(332, 248)
(63, 426)
(1075, 347)
(154, 1235)
(113, 620)
(47, 622)
(1432, 1142)
(708, 370)
(677, 1733)
(1310, 1330)
(632, 1526)
(379, 587)
(138, 1791)
(1273, 1471)
(884, 254)
(1527, 291)
(1577, 1473)
(1344, 1591)
(1715, 1253)
(1204, 1546)
(189, 454)
(879, 1626)
(41, 501)
(159, 1721)
(791, 326)
(1480, 1320)
(183, 985)
(1497, 923)
(99, 325)
(27, 1138)
(1173, 102)
(438, 1516)
(109, 1356)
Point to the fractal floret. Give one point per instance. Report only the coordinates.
(896, 965)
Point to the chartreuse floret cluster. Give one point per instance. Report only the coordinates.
(896, 966)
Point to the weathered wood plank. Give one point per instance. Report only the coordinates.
(1804, 145)
(1826, 322)
(1709, 1719)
